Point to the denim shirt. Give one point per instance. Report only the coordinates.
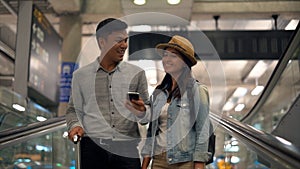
(187, 138)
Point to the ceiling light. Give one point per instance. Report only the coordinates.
(234, 143)
(240, 92)
(41, 118)
(228, 106)
(141, 28)
(173, 2)
(292, 24)
(18, 107)
(258, 70)
(229, 148)
(234, 159)
(139, 2)
(239, 107)
(257, 90)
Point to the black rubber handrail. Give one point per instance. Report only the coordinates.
(266, 145)
(20, 134)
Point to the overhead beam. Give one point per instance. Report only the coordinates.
(247, 7)
(103, 7)
(225, 45)
(66, 6)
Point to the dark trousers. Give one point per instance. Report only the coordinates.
(108, 154)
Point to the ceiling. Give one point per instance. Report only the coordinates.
(196, 11)
(233, 15)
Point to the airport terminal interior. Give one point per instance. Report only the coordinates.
(248, 56)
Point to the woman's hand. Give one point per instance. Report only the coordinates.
(146, 161)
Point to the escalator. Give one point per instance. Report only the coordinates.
(248, 148)
(268, 136)
(39, 145)
(263, 139)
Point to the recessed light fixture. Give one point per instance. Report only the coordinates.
(41, 118)
(173, 2)
(240, 92)
(258, 70)
(141, 28)
(239, 107)
(228, 106)
(235, 159)
(139, 2)
(292, 25)
(257, 90)
(18, 107)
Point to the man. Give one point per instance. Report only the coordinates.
(96, 112)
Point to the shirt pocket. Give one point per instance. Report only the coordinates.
(183, 106)
(184, 114)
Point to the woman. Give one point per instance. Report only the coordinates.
(178, 134)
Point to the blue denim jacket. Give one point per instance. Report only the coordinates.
(187, 138)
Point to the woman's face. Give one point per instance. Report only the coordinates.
(172, 62)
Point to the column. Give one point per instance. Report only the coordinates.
(23, 48)
(71, 32)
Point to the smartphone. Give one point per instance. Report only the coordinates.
(133, 95)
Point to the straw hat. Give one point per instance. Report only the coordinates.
(181, 44)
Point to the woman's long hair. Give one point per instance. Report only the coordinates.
(184, 84)
(181, 84)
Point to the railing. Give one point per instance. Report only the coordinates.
(267, 146)
(39, 144)
(24, 133)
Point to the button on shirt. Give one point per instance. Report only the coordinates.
(98, 97)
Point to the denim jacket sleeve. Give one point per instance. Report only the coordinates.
(202, 124)
(147, 149)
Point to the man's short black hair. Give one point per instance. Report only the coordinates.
(108, 26)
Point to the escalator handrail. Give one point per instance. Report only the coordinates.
(279, 69)
(20, 134)
(263, 141)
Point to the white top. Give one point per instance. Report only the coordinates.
(161, 139)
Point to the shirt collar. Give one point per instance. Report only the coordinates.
(97, 66)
